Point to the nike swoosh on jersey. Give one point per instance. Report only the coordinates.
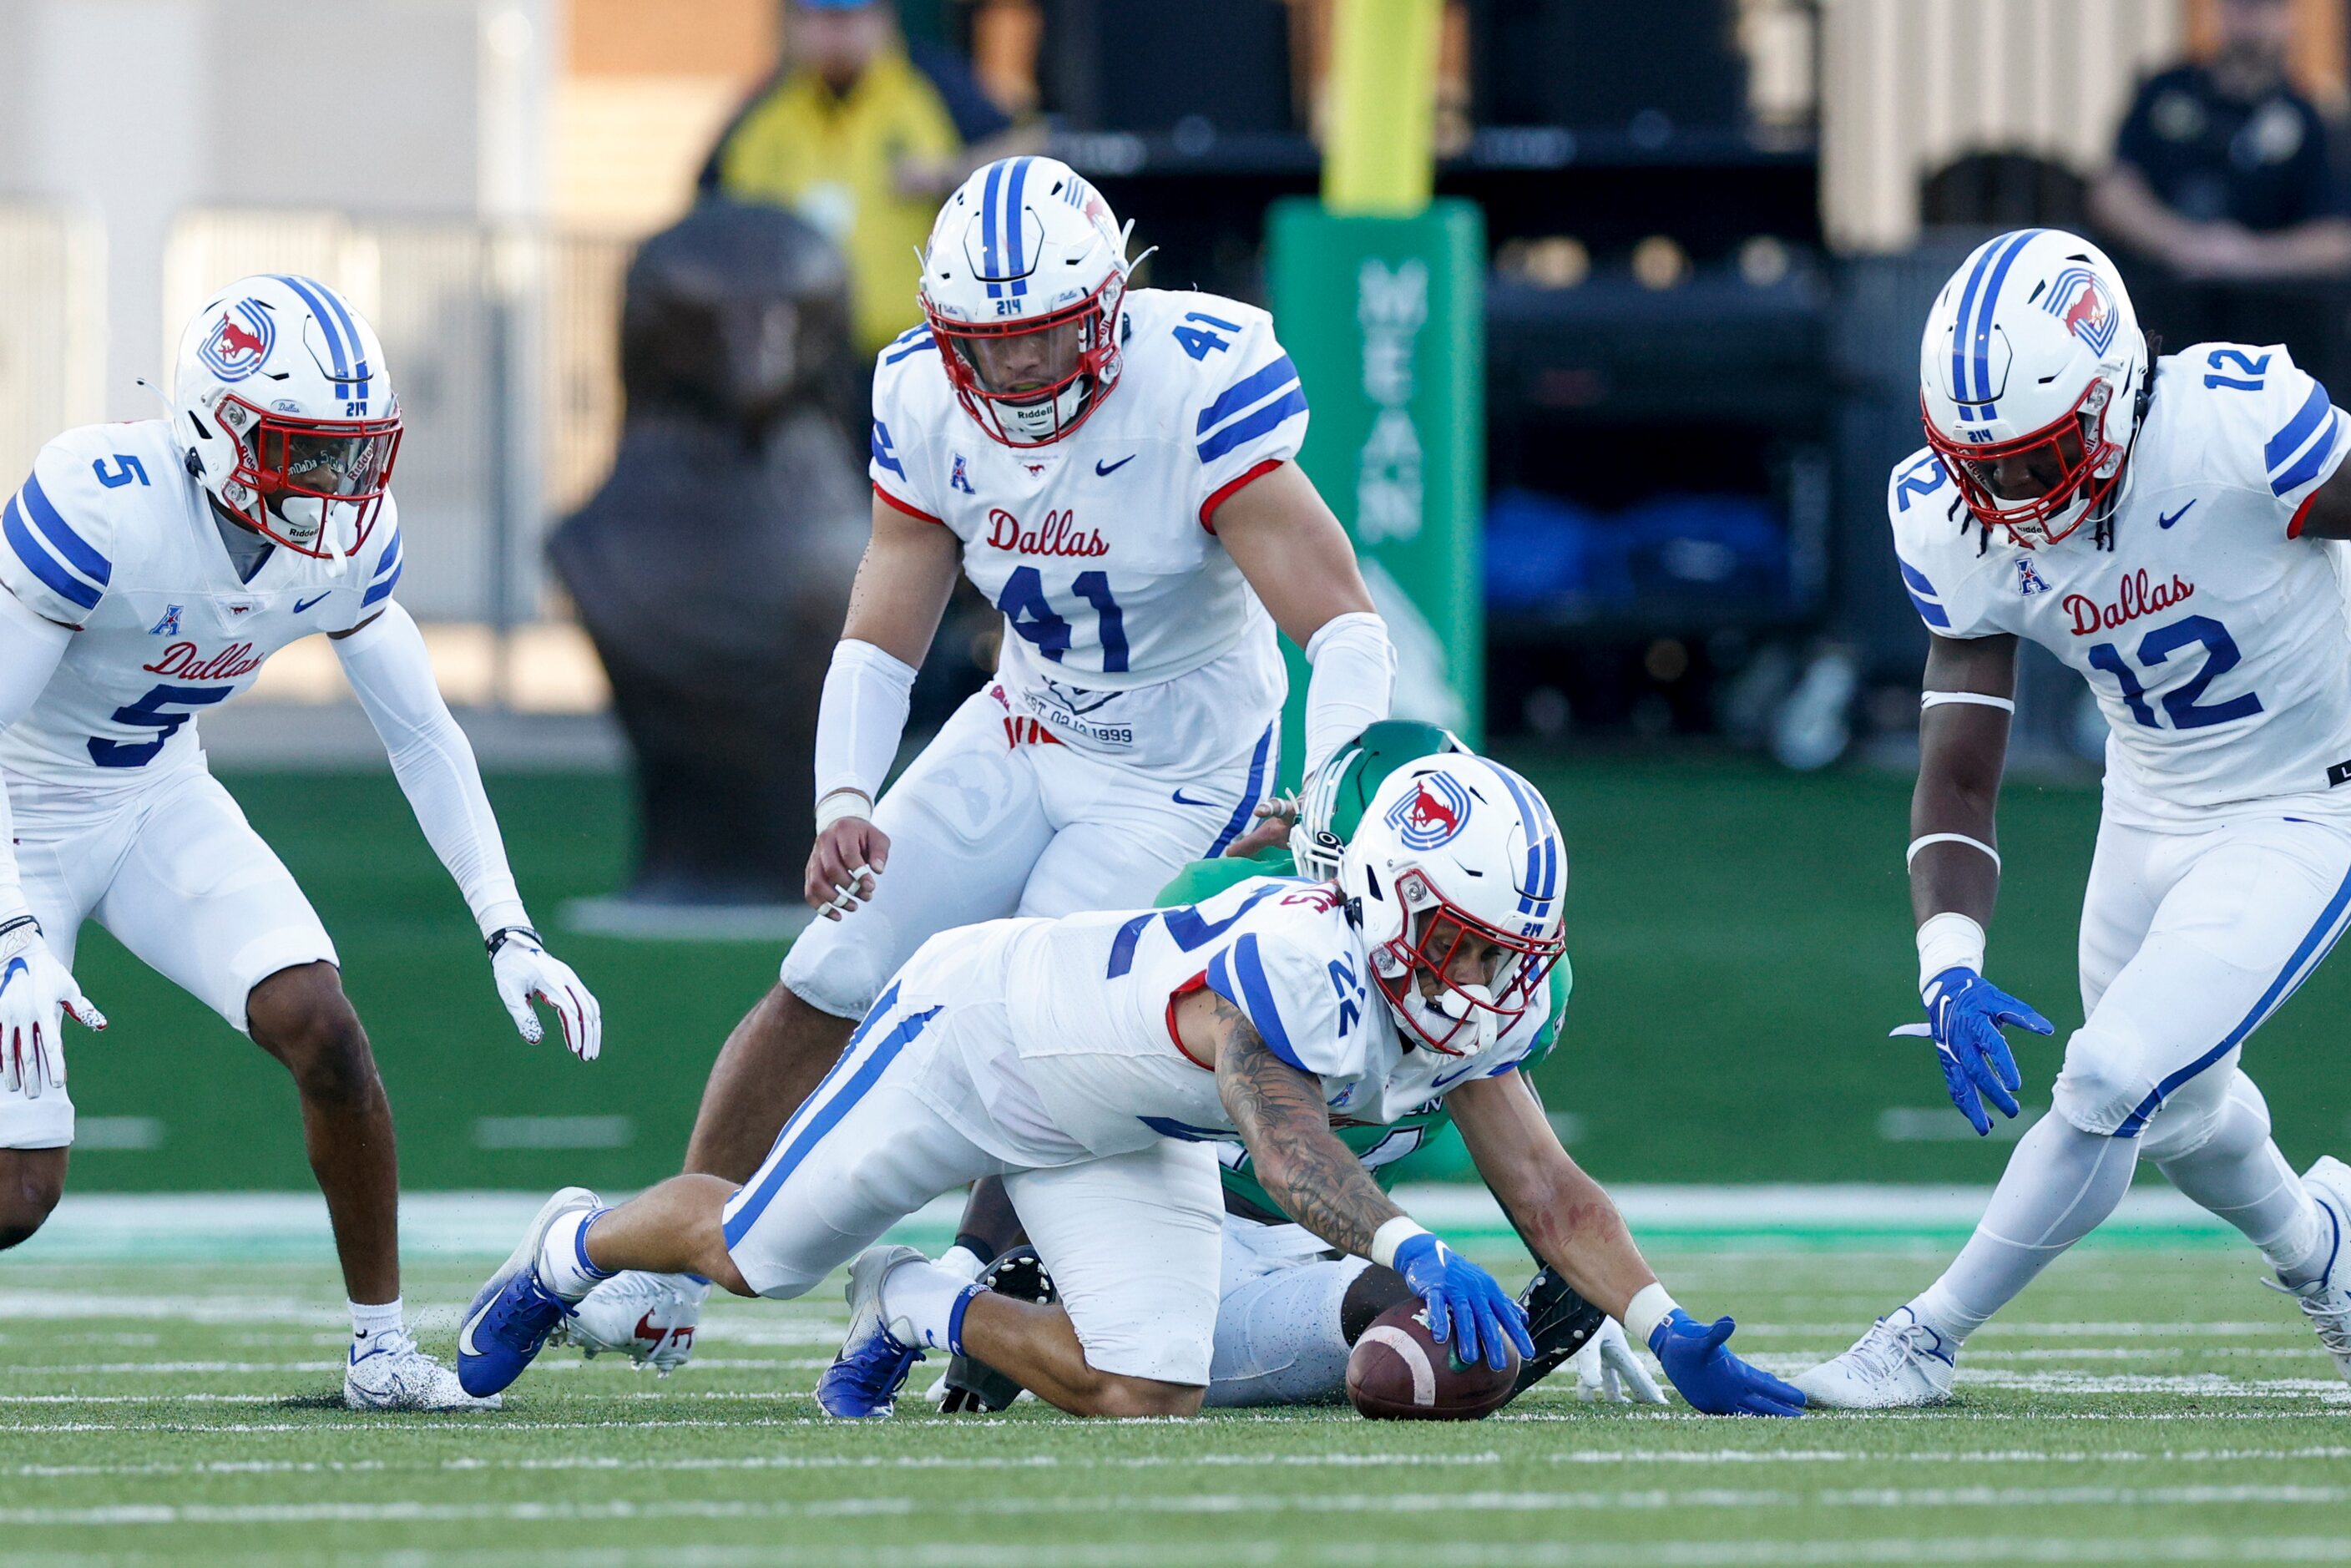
(302, 604)
(1449, 1080)
(1108, 468)
(2164, 522)
(1183, 799)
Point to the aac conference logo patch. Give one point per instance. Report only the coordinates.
(1432, 815)
(240, 341)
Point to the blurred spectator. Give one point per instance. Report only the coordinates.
(2222, 171)
(862, 132)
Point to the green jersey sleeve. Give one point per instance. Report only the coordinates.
(1205, 879)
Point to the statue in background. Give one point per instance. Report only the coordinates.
(713, 567)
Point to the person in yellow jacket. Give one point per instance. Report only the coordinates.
(861, 132)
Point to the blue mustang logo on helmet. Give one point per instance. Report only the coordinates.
(237, 349)
(2079, 300)
(1431, 815)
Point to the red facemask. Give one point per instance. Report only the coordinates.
(335, 463)
(1004, 371)
(1441, 930)
(1972, 469)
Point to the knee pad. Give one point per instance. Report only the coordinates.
(2218, 1103)
(2104, 1082)
(837, 971)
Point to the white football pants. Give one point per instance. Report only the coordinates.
(996, 818)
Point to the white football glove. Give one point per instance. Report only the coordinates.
(34, 989)
(524, 969)
(1608, 1371)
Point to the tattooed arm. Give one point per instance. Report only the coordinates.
(1279, 1113)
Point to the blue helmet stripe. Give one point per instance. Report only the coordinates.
(1013, 237)
(1959, 323)
(350, 330)
(1543, 843)
(303, 287)
(1980, 350)
(989, 268)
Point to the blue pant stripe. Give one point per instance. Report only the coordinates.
(2315, 946)
(811, 1129)
(1250, 794)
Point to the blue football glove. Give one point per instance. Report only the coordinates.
(1463, 1299)
(1712, 1379)
(1965, 1013)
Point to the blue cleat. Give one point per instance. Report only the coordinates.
(513, 1313)
(864, 1379)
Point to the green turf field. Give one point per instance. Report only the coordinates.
(1741, 935)
(2139, 1405)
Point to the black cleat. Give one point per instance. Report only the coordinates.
(972, 1383)
(1561, 1323)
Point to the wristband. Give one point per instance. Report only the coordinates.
(1945, 941)
(843, 803)
(1393, 1235)
(505, 933)
(1924, 840)
(1967, 699)
(1649, 1307)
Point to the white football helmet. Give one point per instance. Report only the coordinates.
(1022, 280)
(1457, 850)
(281, 402)
(2031, 379)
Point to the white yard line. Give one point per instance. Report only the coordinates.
(1351, 1504)
(1359, 1551)
(634, 1464)
(145, 1228)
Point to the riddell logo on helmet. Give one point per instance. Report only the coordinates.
(2079, 300)
(1431, 815)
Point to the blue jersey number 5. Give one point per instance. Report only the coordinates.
(150, 711)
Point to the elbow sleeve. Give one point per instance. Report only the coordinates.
(1353, 683)
(861, 717)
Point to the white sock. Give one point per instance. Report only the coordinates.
(962, 1262)
(563, 1266)
(370, 1325)
(922, 1300)
(2239, 1174)
(2060, 1184)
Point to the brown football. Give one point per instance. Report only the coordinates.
(1397, 1373)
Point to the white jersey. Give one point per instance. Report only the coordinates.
(1091, 1002)
(1129, 632)
(2216, 639)
(111, 534)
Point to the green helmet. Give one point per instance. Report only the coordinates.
(1333, 802)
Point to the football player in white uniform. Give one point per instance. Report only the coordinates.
(147, 570)
(2156, 527)
(1095, 1063)
(1113, 469)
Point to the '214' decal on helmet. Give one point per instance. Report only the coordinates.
(2079, 300)
(1432, 814)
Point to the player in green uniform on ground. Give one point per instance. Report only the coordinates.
(1292, 1309)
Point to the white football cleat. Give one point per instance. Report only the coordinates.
(2326, 1301)
(649, 1318)
(396, 1375)
(1898, 1365)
